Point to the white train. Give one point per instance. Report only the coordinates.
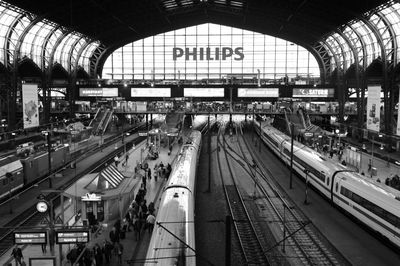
(176, 211)
(373, 203)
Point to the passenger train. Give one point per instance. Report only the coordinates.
(30, 169)
(374, 204)
(176, 211)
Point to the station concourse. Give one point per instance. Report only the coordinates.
(95, 94)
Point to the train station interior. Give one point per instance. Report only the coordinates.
(131, 130)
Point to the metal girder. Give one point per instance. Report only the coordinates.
(94, 61)
(325, 57)
(363, 45)
(7, 40)
(385, 79)
(59, 40)
(45, 42)
(78, 55)
(21, 38)
(70, 54)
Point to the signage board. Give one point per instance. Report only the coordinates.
(98, 92)
(142, 134)
(258, 92)
(30, 237)
(151, 92)
(30, 105)
(91, 197)
(72, 236)
(398, 118)
(313, 92)
(203, 92)
(308, 134)
(374, 108)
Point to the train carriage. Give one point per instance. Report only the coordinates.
(176, 211)
(11, 166)
(374, 204)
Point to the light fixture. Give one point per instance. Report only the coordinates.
(381, 147)
(125, 85)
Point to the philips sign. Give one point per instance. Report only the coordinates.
(207, 53)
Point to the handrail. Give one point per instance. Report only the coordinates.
(95, 117)
(108, 121)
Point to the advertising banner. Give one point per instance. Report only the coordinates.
(151, 92)
(313, 93)
(374, 108)
(258, 92)
(398, 119)
(203, 92)
(30, 105)
(98, 92)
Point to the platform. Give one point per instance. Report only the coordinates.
(153, 192)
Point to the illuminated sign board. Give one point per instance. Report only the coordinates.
(150, 92)
(203, 92)
(208, 53)
(30, 237)
(72, 237)
(91, 197)
(98, 92)
(313, 92)
(258, 92)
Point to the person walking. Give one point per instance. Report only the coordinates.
(150, 221)
(119, 251)
(17, 254)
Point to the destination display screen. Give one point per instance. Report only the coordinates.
(70, 237)
(37, 237)
(313, 92)
(150, 92)
(98, 92)
(203, 92)
(258, 92)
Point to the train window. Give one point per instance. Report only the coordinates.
(327, 181)
(378, 211)
(336, 186)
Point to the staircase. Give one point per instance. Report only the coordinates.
(106, 121)
(97, 120)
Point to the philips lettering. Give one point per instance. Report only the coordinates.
(207, 53)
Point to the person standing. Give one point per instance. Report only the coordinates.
(17, 254)
(98, 255)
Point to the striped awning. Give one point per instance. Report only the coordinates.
(112, 176)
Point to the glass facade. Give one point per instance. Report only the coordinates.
(210, 51)
(39, 40)
(363, 35)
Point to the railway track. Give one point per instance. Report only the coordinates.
(30, 218)
(300, 237)
(250, 243)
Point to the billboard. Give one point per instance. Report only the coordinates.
(30, 105)
(203, 92)
(98, 92)
(258, 92)
(398, 119)
(313, 93)
(374, 108)
(150, 92)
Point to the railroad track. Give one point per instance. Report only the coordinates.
(30, 218)
(250, 243)
(300, 236)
